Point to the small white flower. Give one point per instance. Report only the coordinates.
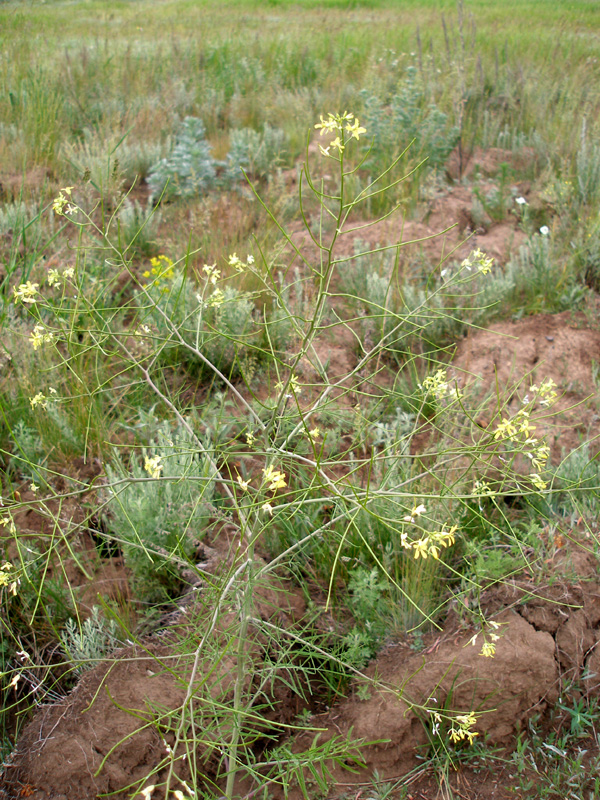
(544, 230)
(521, 201)
(267, 508)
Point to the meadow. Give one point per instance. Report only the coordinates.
(299, 399)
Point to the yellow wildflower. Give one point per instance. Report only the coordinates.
(38, 337)
(274, 478)
(420, 547)
(153, 466)
(39, 400)
(356, 130)
(488, 650)
(62, 204)
(26, 292)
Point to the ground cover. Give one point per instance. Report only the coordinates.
(299, 395)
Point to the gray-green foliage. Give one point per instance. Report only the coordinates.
(409, 117)
(28, 449)
(256, 153)
(158, 520)
(219, 324)
(190, 169)
(88, 644)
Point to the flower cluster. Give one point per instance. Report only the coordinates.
(216, 299)
(488, 648)
(8, 522)
(339, 125)
(41, 400)
(26, 293)
(464, 730)
(546, 392)
(162, 269)
(62, 204)
(153, 466)
(439, 386)
(431, 543)
(483, 489)
(479, 260)
(55, 277)
(40, 336)
(238, 264)
(294, 385)
(274, 478)
(519, 431)
(212, 273)
(9, 577)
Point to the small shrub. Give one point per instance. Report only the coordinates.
(257, 153)
(88, 644)
(189, 170)
(158, 507)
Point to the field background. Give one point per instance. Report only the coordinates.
(268, 544)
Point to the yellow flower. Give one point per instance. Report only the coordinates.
(330, 125)
(314, 434)
(235, 262)
(420, 548)
(355, 130)
(153, 466)
(337, 143)
(294, 385)
(488, 650)
(538, 482)
(62, 204)
(39, 400)
(8, 577)
(38, 337)
(212, 273)
(250, 438)
(274, 478)
(216, 299)
(243, 484)
(147, 792)
(26, 293)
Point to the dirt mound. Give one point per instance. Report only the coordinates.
(522, 679)
(549, 638)
(448, 228)
(511, 356)
(117, 725)
(488, 162)
(62, 752)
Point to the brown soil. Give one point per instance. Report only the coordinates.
(511, 356)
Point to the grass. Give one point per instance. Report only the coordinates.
(185, 334)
